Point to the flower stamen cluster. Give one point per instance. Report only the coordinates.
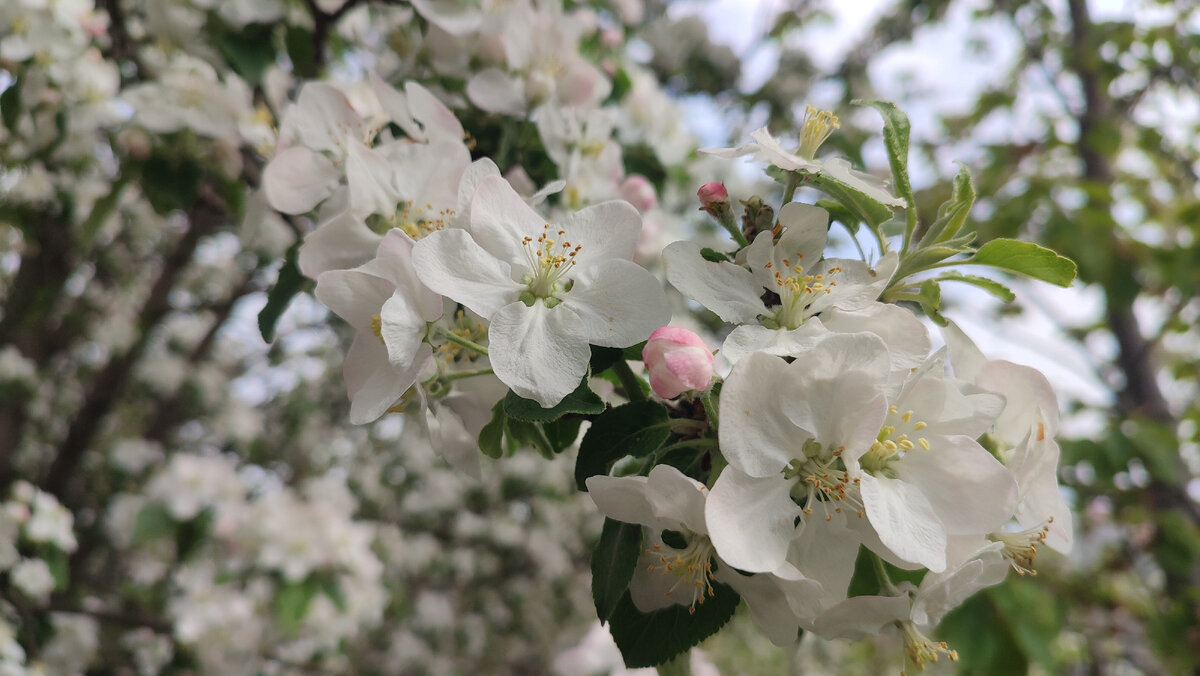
(549, 265)
(1020, 548)
(892, 443)
(691, 566)
(817, 127)
(920, 649)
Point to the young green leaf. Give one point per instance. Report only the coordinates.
(289, 283)
(895, 138)
(990, 285)
(648, 639)
(1026, 258)
(637, 428)
(613, 561)
(582, 400)
(953, 213)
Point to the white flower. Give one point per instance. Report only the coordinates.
(792, 269)
(33, 578)
(548, 291)
(667, 500)
(379, 368)
(817, 126)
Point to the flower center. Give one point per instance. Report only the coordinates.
(691, 566)
(823, 482)
(797, 291)
(894, 441)
(549, 262)
(1020, 548)
(818, 125)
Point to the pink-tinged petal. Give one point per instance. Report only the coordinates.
(905, 521)
(969, 490)
(622, 498)
(297, 179)
(725, 288)
(500, 222)
(756, 436)
(675, 497)
(535, 352)
(751, 521)
(616, 304)
(451, 263)
(497, 92)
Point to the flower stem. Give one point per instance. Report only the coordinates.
(450, 377)
(885, 581)
(629, 381)
(710, 407)
(455, 338)
(789, 191)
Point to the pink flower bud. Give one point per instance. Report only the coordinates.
(639, 191)
(678, 361)
(712, 194)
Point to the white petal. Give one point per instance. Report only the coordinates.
(970, 490)
(727, 289)
(369, 177)
(751, 520)
(750, 338)
(677, 497)
(535, 352)
(373, 383)
(965, 356)
(803, 242)
(339, 243)
(605, 231)
(353, 295)
(437, 121)
(297, 179)
(867, 184)
(496, 92)
(862, 616)
(476, 172)
(766, 598)
(449, 262)
(905, 521)
(1035, 467)
(500, 220)
(902, 331)
(622, 498)
(756, 435)
(616, 304)
(1030, 399)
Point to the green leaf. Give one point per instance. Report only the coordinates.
(153, 522)
(714, 256)
(990, 285)
(637, 428)
(328, 584)
(983, 639)
(10, 105)
(603, 358)
(299, 44)
(895, 138)
(1033, 616)
(864, 208)
(249, 51)
(523, 433)
(582, 400)
(291, 602)
(613, 561)
(170, 181)
(648, 639)
(491, 437)
(953, 213)
(562, 433)
(60, 568)
(1026, 258)
(289, 283)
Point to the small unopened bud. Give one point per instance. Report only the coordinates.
(678, 361)
(757, 217)
(713, 197)
(639, 191)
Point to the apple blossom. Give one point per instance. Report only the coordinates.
(678, 360)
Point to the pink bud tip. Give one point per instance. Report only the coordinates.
(639, 191)
(678, 361)
(712, 193)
